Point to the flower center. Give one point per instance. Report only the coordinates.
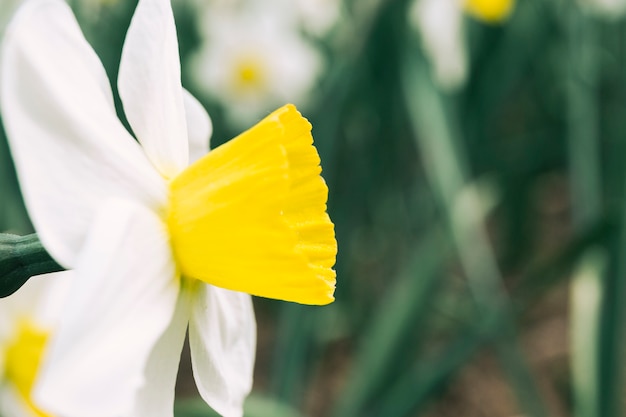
(249, 75)
(251, 215)
(23, 357)
(491, 11)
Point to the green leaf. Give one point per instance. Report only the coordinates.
(22, 257)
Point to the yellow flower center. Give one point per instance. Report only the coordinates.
(490, 11)
(251, 215)
(249, 75)
(22, 357)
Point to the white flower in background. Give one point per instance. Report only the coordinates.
(316, 17)
(149, 237)
(607, 9)
(440, 24)
(253, 62)
(27, 319)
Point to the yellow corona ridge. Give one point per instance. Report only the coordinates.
(490, 11)
(251, 215)
(23, 356)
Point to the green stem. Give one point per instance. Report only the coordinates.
(22, 257)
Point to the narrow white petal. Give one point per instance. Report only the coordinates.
(222, 337)
(156, 398)
(123, 301)
(150, 88)
(70, 150)
(199, 127)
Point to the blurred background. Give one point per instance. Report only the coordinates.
(474, 152)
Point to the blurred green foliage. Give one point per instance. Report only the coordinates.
(456, 215)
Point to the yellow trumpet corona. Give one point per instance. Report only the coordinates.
(251, 215)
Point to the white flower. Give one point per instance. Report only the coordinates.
(608, 9)
(253, 60)
(319, 16)
(316, 17)
(440, 24)
(27, 319)
(147, 236)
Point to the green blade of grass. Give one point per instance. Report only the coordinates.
(419, 383)
(415, 388)
(588, 289)
(586, 298)
(612, 349)
(448, 174)
(386, 344)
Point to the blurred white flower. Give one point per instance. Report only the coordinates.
(253, 62)
(150, 238)
(440, 25)
(316, 17)
(27, 319)
(607, 9)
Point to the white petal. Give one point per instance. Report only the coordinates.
(70, 150)
(156, 398)
(222, 337)
(38, 299)
(199, 127)
(440, 23)
(57, 288)
(123, 301)
(150, 88)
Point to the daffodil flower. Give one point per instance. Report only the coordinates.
(253, 58)
(156, 245)
(27, 319)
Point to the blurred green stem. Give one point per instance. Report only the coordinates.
(588, 286)
(449, 176)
